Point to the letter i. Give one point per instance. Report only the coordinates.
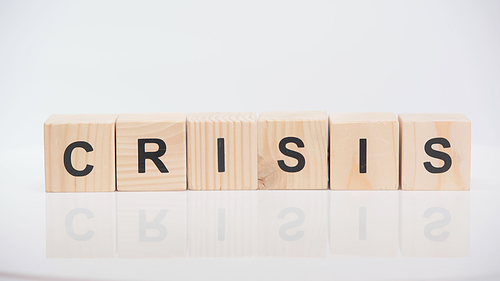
(362, 156)
(220, 155)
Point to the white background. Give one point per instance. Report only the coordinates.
(202, 56)
(209, 56)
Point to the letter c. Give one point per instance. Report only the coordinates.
(67, 159)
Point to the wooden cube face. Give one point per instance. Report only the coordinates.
(80, 153)
(222, 151)
(435, 151)
(151, 152)
(364, 151)
(293, 150)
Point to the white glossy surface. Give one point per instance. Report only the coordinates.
(265, 235)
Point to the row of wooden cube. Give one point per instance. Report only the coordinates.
(280, 150)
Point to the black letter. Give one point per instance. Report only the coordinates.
(67, 159)
(153, 156)
(301, 160)
(437, 154)
(220, 155)
(362, 156)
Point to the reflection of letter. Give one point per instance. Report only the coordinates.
(362, 223)
(437, 224)
(301, 217)
(69, 224)
(155, 224)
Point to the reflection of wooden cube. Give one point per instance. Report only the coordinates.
(81, 225)
(293, 223)
(151, 151)
(435, 224)
(364, 151)
(435, 151)
(293, 150)
(364, 223)
(222, 224)
(222, 151)
(80, 153)
(151, 225)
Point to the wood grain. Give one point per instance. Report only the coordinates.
(239, 131)
(416, 130)
(380, 130)
(309, 126)
(96, 129)
(167, 127)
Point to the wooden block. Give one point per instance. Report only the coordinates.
(152, 224)
(364, 223)
(364, 151)
(151, 152)
(293, 150)
(81, 225)
(222, 151)
(80, 152)
(435, 224)
(435, 151)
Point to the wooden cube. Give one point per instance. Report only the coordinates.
(222, 151)
(364, 151)
(435, 151)
(80, 153)
(293, 150)
(151, 152)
